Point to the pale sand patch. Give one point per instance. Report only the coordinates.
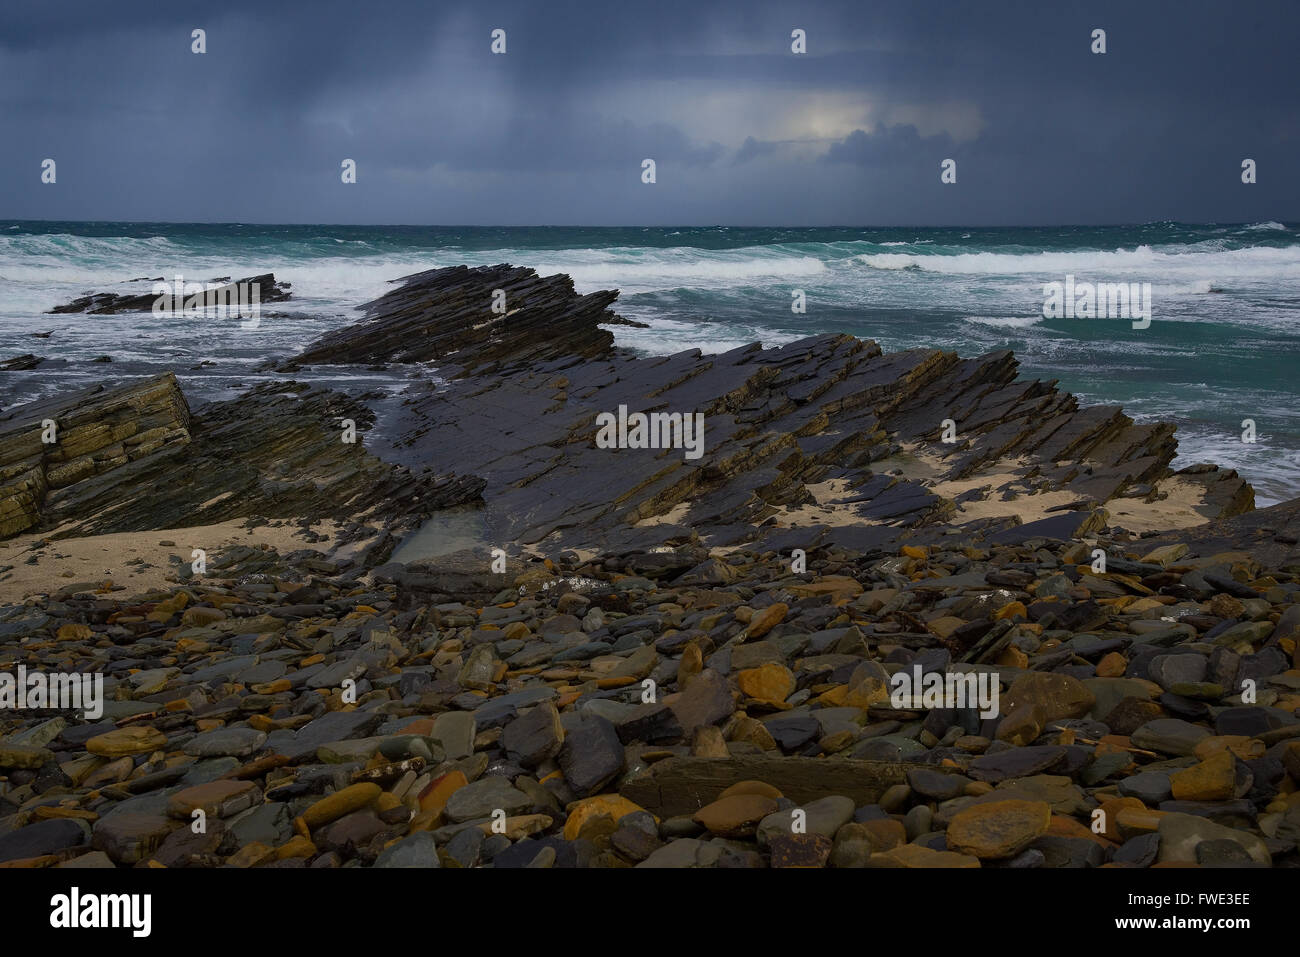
(98, 558)
(1179, 510)
(826, 511)
(915, 462)
(539, 550)
(673, 516)
(1029, 508)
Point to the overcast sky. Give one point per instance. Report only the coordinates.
(743, 131)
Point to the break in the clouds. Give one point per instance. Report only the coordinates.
(742, 129)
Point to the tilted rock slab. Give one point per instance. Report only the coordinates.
(795, 429)
(135, 458)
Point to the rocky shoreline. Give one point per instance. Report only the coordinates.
(642, 659)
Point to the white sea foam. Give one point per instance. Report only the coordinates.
(1261, 262)
(646, 270)
(667, 336)
(1005, 322)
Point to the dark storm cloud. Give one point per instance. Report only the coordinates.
(887, 146)
(742, 131)
(752, 149)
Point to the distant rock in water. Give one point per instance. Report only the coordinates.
(446, 315)
(22, 363)
(107, 303)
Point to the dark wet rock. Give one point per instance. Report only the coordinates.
(591, 756)
(263, 287)
(135, 458)
(43, 837)
(447, 314)
(1016, 763)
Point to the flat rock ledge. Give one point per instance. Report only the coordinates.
(136, 458)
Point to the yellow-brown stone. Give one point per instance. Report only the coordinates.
(885, 833)
(766, 619)
(1112, 665)
(1013, 657)
(767, 682)
(250, 855)
(613, 806)
(841, 588)
(1248, 749)
(1012, 609)
(914, 856)
(1132, 822)
(1056, 696)
(761, 788)
(296, 846)
(867, 693)
(1212, 780)
(735, 816)
(945, 625)
(1110, 810)
(998, 829)
(1021, 726)
(135, 739)
(334, 806)
(434, 798)
(692, 664)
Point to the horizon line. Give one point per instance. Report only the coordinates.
(1026, 225)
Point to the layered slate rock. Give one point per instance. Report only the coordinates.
(108, 303)
(1271, 534)
(447, 315)
(810, 443)
(135, 458)
(825, 441)
(96, 432)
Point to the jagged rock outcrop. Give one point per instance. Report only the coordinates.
(825, 440)
(801, 445)
(107, 303)
(135, 458)
(447, 315)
